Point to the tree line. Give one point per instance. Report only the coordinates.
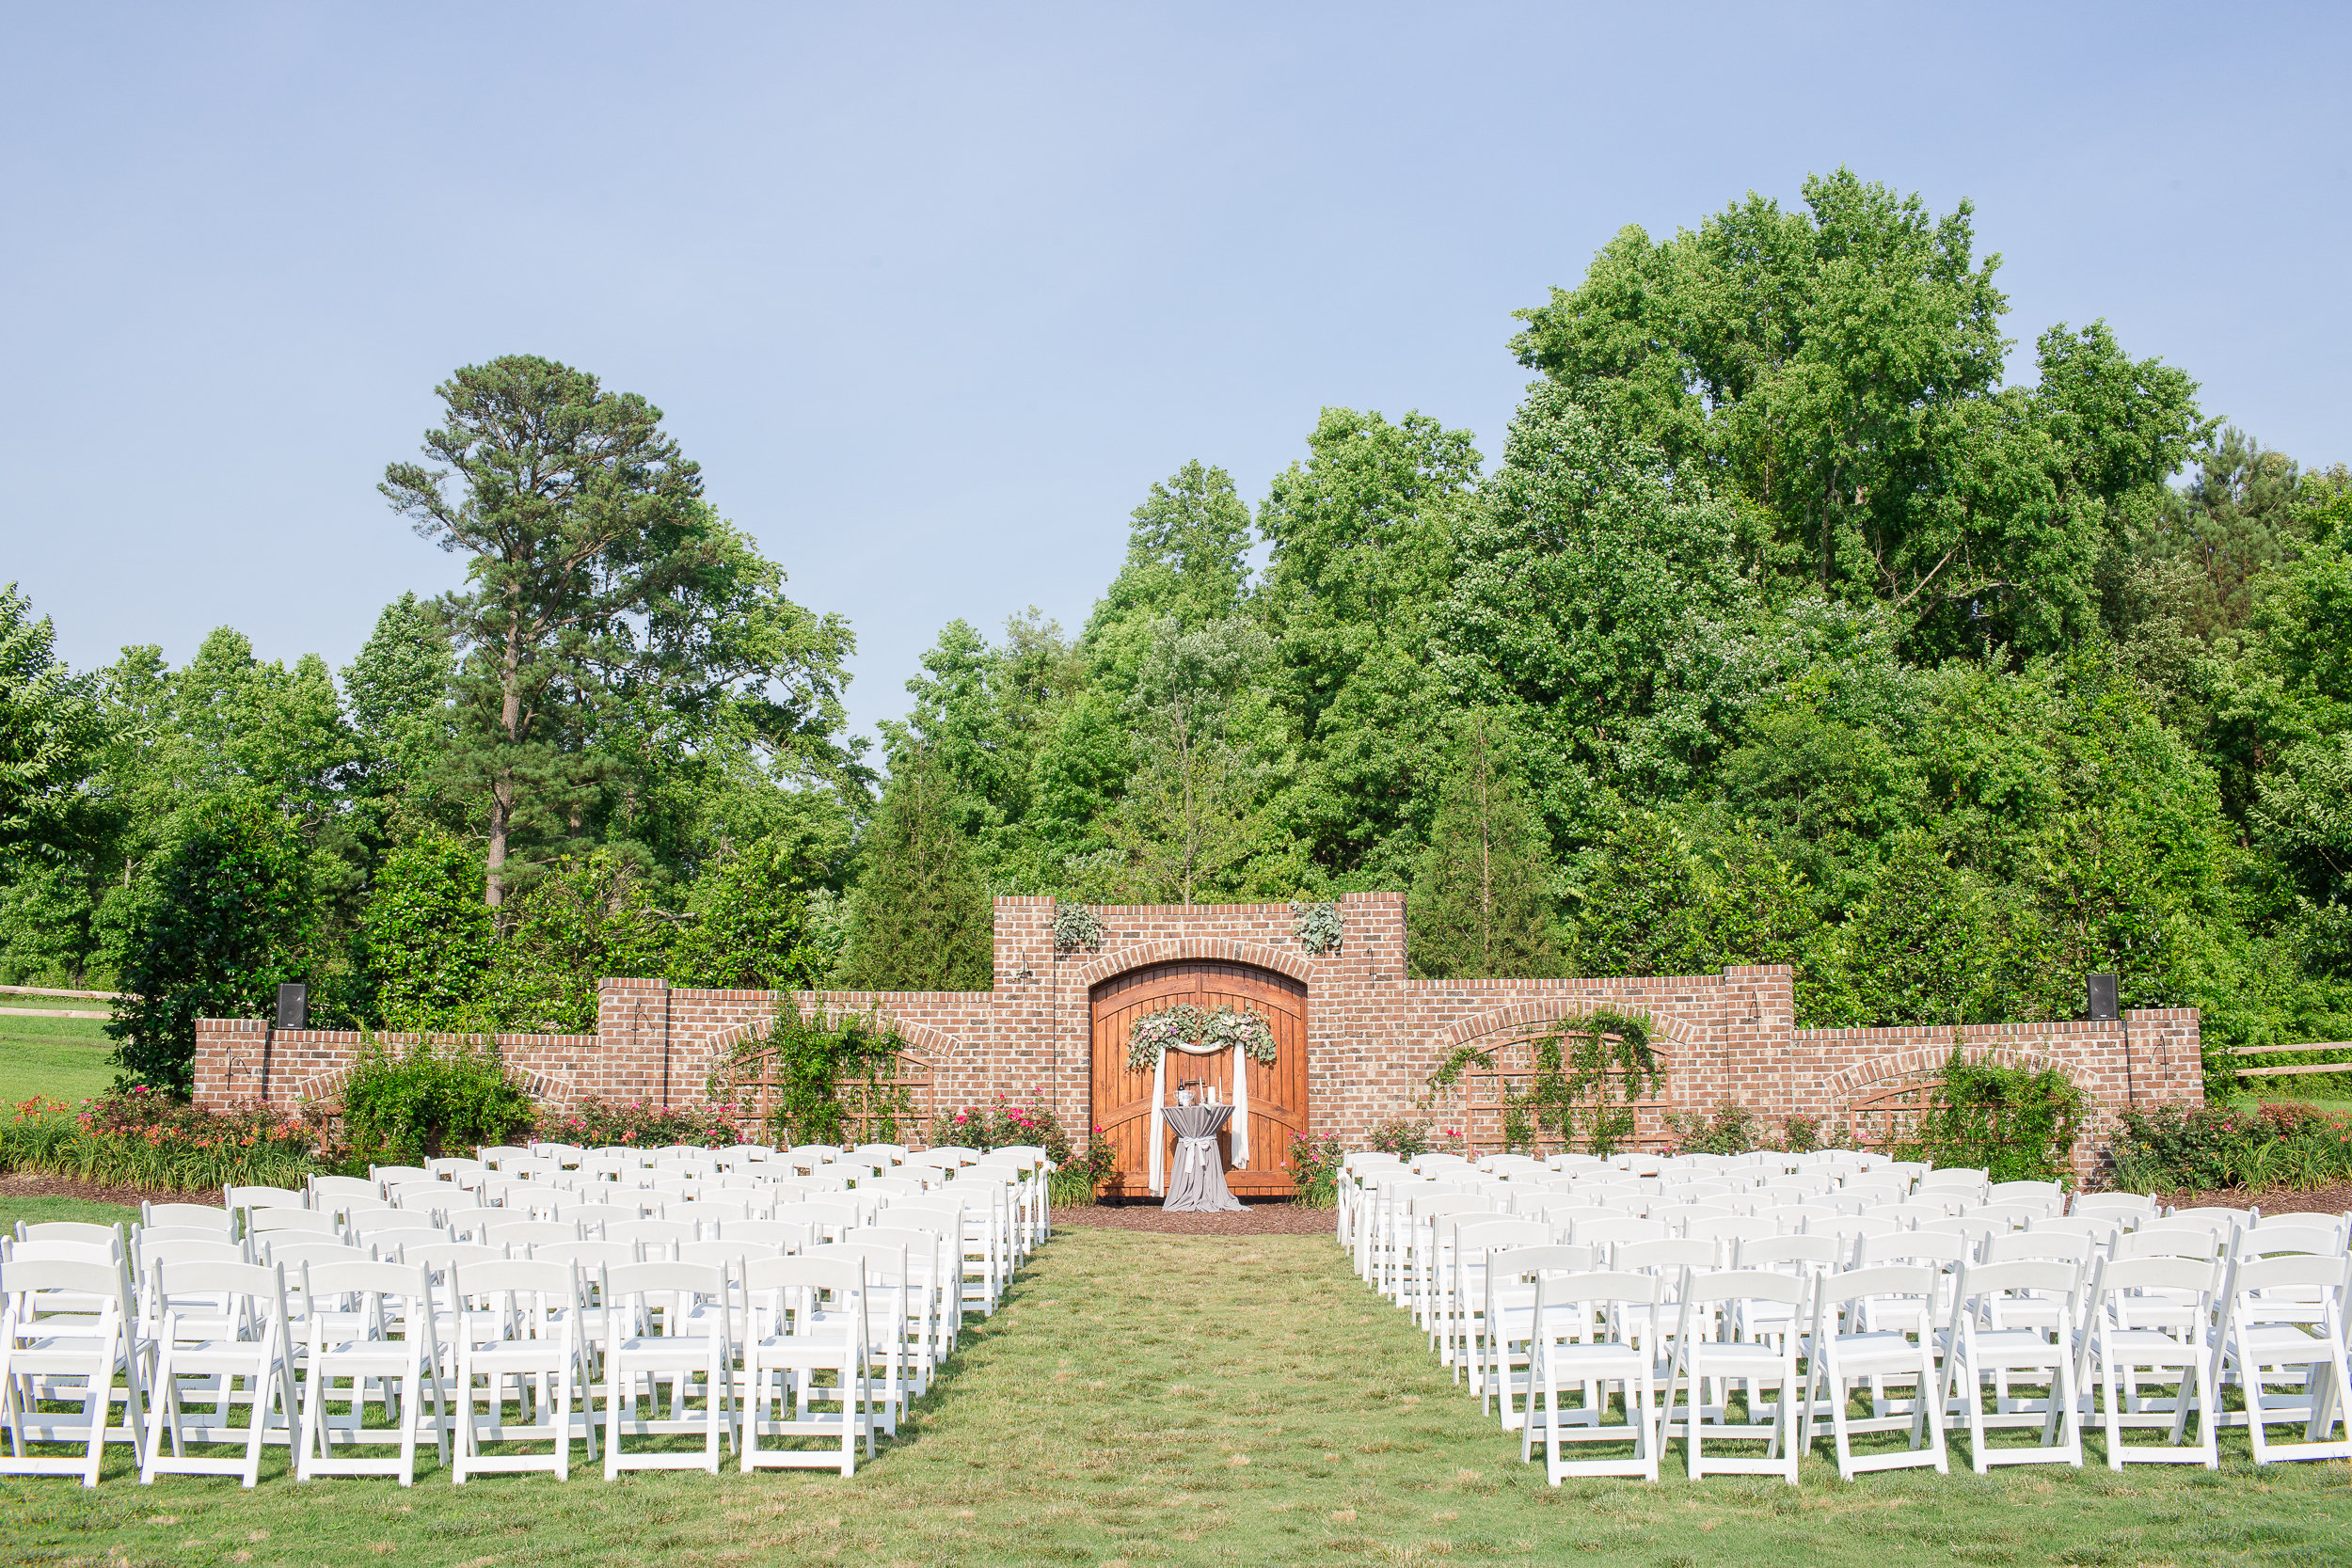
(1789, 627)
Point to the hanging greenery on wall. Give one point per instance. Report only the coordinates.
(1219, 1028)
(1075, 926)
(1588, 1073)
(1317, 927)
(834, 1079)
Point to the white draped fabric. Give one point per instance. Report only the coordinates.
(1159, 1101)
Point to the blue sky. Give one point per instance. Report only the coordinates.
(935, 294)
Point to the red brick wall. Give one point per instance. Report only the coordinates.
(1374, 1036)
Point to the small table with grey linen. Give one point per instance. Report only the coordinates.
(1196, 1183)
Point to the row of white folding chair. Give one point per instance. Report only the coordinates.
(686, 1223)
(1362, 1177)
(1004, 1219)
(1827, 1242)
(1995, 1328)
(204, 1356)
(1007, 1215)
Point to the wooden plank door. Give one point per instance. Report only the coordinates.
(1278, 1092)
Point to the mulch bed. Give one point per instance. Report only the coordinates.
(1281, 1218)
(32, 1184)
(2312, 1200)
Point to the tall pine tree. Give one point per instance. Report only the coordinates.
(923, 920)
(1481, 907)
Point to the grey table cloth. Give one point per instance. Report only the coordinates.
(1196, 1184)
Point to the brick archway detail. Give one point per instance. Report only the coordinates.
(542, 1086)
(1841, 1087)
(931, 1048)
(1175, 948)
(1665, 1030)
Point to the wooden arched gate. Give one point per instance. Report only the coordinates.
(1278, 1093)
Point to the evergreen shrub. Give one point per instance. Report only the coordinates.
(399, 1107)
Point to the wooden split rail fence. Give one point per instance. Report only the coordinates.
(2285, 1071)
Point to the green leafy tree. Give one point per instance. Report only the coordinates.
(1582, 569)
(1360, 560)
(429, 944)
(50, 729)
(607, 610)
(1193, 819)
(1188, 549)
(748, 926)
(399, 695)
(580, 922)
(923, 920)
(1642, 908)
(1923, 946)
(1839, 369)
(47, 922)
(1482, 904)
(225, 917)
(2304, 817)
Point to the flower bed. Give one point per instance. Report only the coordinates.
(2213, 1146)
(640, 1123)
(140, 1138)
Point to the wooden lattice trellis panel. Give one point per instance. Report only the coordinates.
(1476, 1102)
(914, 1079)
(1893, 1112)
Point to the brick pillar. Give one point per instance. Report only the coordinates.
(634, 1031)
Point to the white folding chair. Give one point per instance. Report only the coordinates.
(890, 1300)
(810, 1317)
(2003, 1325)
(1713, 1348)
(217, 1321)
(2116, 1347)
(199, 1216)
(68, 1325)
(1594, 1349)
(369, 1321)
(929, 1274)
(1846, 1351)
(233, 1198)
(667, 1323)
(653, 1239)
(518, 1323)
(2269, 1338)
(1458, 1323)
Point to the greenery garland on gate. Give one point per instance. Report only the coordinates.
(1577, 1064)
(1221, 1028)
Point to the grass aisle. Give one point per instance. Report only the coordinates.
(1162, 1399)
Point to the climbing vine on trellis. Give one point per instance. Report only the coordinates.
(1588, 1073)
(834, 1078)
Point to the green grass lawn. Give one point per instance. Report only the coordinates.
(36, 1210)
(64, 1059)
(1156, 1399)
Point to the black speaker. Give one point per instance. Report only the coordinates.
(294, 1006)
(2103, 997)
